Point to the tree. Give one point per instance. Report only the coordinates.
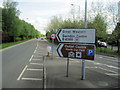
(10, 18)
(101, 27)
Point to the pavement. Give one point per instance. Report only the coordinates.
(24, 67)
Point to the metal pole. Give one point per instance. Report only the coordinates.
(52, 46)
(85, 13)
(83, 61)
(67, 67)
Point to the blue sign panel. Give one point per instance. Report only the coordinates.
(90, 52)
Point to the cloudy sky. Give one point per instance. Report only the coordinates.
(39, 12)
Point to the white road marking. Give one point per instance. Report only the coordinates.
(31, 78)
(115, 60)
(31, 58)
(107, 57)
(107, 70)
(91, 67)
(30, 69)
(37, 56)
(112, 74)
(22, 72)
(36, 63)
(36, 59)
(106, 65)
(35, 51)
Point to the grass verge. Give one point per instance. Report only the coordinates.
(5, 45)
(106, 50)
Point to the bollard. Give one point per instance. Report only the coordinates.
(48, 53)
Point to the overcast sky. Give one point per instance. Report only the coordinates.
(39, 12)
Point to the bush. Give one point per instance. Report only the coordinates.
(17, 39)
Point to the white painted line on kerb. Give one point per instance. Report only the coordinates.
(30, 69)
(107, 70)
(36, 63)
(31, 58)
(22, 72)
(31, 78)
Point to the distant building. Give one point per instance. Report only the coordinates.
(119, 11)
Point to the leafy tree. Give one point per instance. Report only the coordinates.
(101, 27)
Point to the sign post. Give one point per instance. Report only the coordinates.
(67, 67)
(83, 61)
(53, 36)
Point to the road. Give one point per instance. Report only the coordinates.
(23, 67)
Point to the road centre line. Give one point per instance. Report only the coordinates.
(30, 69)
(36, 63)
(31, 79)
(31, 58)
(22, 72)
(107, 70)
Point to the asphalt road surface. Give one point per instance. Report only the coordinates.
(23, 67)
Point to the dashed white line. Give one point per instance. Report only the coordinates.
(107, 70)
(91, 67)
(112, 74)
(31, 58)
(30, 69)
(22, 72)
(114, 60)
(35, 51)
(36, 59)
(106, 65)
(38, 56)
(31, 78)
(36, 63)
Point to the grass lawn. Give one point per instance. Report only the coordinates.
(106, 50)
(5, 45)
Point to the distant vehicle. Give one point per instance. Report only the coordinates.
(42, 38)
(102, 44)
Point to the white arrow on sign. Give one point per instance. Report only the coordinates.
(76, 35)
(59, 49)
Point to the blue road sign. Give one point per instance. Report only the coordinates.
(89, 52)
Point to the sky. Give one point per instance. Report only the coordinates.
(39, 12)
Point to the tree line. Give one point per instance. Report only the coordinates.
(13, 26)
